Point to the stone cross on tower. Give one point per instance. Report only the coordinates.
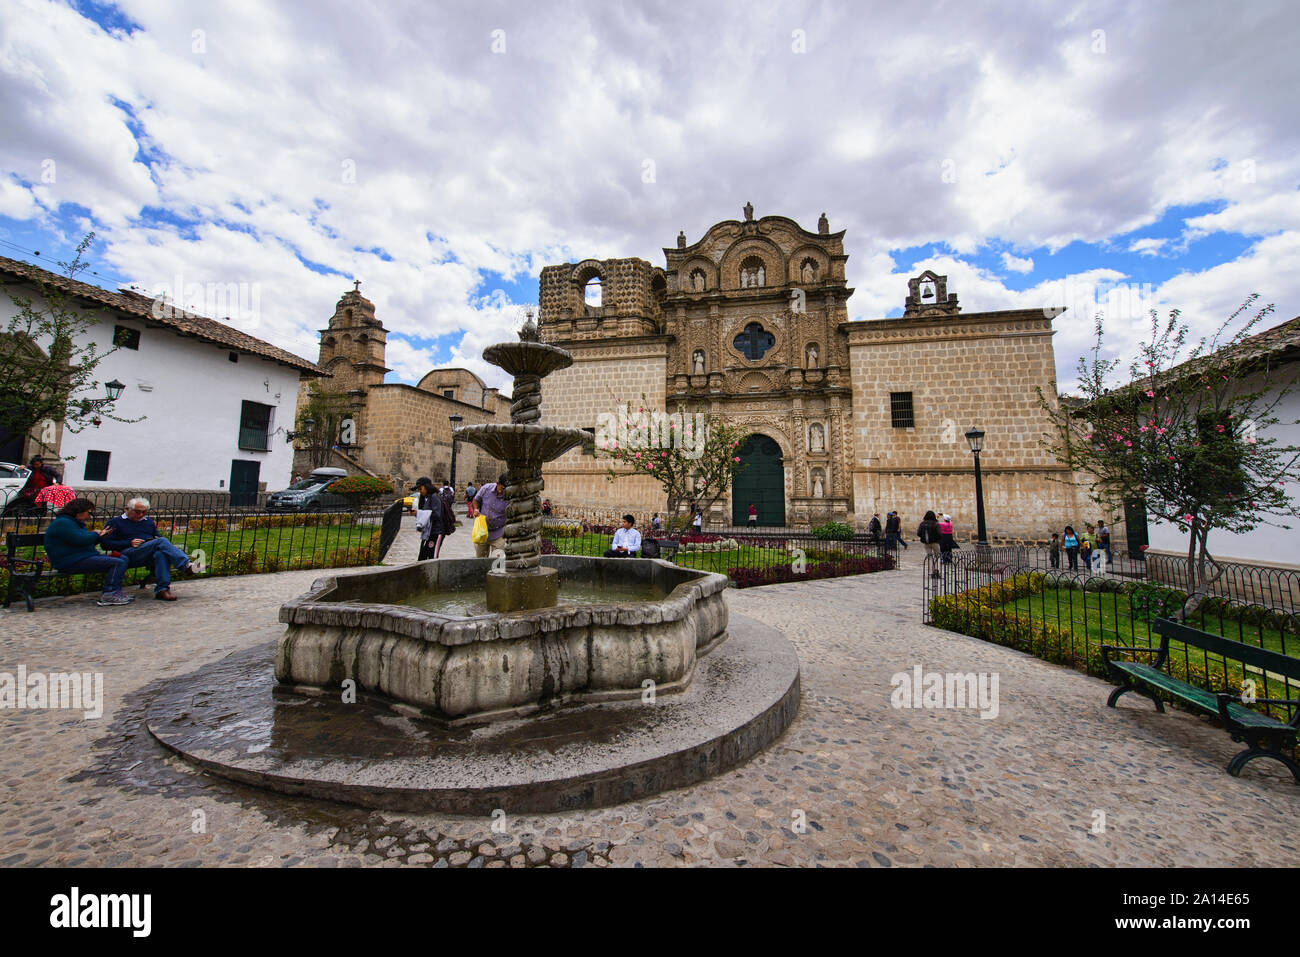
(356, 286)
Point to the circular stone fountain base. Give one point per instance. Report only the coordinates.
(226, 719)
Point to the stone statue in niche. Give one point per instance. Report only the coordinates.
(812, 356)
(697, 280)
(809, 272)
(818, 490)
(698, 362)
(817, 438)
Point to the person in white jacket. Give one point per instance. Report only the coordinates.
(627, 540)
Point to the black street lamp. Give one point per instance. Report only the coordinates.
(976, 439)
(308, 426)
(456, 420)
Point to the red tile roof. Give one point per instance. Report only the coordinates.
(136, 305)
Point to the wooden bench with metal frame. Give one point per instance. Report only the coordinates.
(1263, 735)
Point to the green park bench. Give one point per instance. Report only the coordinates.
(27, 570)
(1263, 735)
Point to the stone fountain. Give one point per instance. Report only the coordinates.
(554, 682)
(525, 446)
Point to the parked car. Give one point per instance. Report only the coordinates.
(13, 479)
(311, 494)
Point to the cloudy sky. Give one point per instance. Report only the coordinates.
(1108, 156)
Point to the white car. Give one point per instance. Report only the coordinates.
(12, 479)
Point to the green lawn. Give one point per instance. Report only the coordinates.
(237, 552)
(1107, 617)
(746, 556)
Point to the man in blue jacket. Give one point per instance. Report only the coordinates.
(71, 549)
(136, 536)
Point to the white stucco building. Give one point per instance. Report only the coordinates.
(1267, 544)
(214, 403)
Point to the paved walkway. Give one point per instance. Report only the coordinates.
(877, 786)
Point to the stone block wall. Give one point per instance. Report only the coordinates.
(408, 435)
(976, 369)
(603, 377)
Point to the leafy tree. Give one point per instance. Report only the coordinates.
(1187, 434)
(326, 409)
(48, 362)
(688, 470)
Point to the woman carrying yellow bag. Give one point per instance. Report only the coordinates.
(490, 503)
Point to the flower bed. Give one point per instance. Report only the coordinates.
(777, 574)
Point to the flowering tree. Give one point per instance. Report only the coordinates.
(689, 471)
(1186, 434)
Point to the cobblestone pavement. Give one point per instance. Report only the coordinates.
(877, 786)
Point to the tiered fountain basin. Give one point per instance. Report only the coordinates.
(460, 664)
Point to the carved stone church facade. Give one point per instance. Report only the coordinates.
(849, 417)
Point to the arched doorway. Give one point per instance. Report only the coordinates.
(762, 482)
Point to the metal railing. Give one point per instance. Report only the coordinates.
(748, 558)
(226, 541)
(1020, 598)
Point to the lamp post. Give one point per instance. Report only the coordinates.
(976, 439)
(455, 421)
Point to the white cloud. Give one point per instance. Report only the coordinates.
(469, 162)
(1147, 247)
(1017, 264)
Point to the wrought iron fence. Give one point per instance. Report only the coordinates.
(1018, 597)
(228, 541)
(748, 558)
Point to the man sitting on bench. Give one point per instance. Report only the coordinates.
(71, 550)
(135, 536)
(627, 540)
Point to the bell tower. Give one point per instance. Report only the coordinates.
(352, 347)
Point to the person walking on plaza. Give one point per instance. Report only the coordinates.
(894, 532)
(1087, 542)
(491, 501)
(470, 492)
(698, 521)
(927, 533)
(1054, 550)
(753, 514)
(428, 518)
(873, 528)
(1103, 540)
(70, 546)
(1071, 543)
(135, 536)
(946, 540)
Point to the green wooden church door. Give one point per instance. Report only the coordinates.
(762, 482)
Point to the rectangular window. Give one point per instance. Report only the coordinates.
(96, 466)
(900, 410)
(126, 338)
(255, 427)
(232, 356)
(589, 448)
(449, 393)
